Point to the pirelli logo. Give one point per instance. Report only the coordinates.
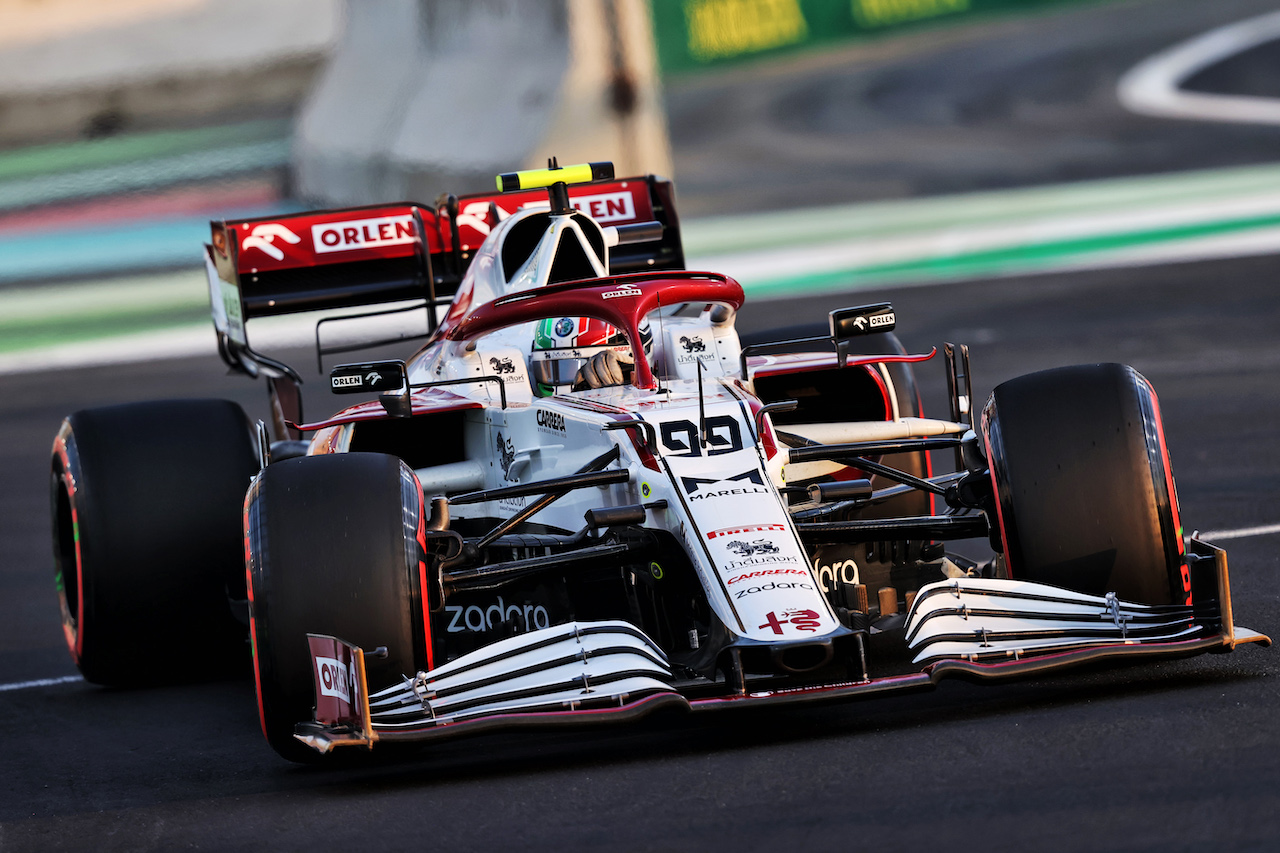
(363, 233)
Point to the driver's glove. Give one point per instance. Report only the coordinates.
(604, 369)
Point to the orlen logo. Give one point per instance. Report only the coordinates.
(750, 528)
(624, 290)
(263, 239)
(606, 207)
(334, 680)
(363, 233)
(345, 381)
(882, 320)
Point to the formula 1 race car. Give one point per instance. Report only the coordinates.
(495, 540)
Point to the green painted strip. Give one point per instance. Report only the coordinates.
(100, 328)
(882, 219)
(1024, 258)
(100, 153)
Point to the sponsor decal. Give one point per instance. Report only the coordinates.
(606, 207)
(551, 421)
(477, 619)
(744, 549)
(743, 592)
(750, 528)
(564, 326)
(878, 320)
(760, 573)
(346, 381)
(692, 485)
(759, 561)
(693, 344)
(263, 238)
(624, 290)
(363, 233)
(836, 573)
(803, 620)
(506, 455)
(334, 678)
(502, 365)
(723, 436)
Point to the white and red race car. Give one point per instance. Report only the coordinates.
(496, 541)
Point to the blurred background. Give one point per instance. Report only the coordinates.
(817, 145)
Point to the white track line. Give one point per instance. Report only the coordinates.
(39, 682)
(1243, 532)
(1152, 87)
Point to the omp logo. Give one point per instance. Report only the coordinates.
(333, 678)
(750, 528)
(480, 619)
(263, 238)
(624, 290)
(345, 381)
(363, 233)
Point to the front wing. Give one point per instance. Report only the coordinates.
(609, 672)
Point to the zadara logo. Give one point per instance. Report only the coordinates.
(803, 620)
(478, 620)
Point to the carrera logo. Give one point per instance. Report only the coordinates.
(333, 678)
(263, 239)
(345, 381)
(766, 573)
(553, 421)
(478, 620)
(751, 528)
(606, 207)
(624, 290)
(363, 233)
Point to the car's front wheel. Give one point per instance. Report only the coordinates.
(332, 549)
(1085, 495)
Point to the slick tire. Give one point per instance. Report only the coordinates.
(332, 549)
(147, 501)
(1085, 496)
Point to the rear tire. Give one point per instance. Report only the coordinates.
(1085, 495)
(147, 501)
(332, 549)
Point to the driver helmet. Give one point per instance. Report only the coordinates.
(562, 345)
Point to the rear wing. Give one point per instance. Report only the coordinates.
(467, 220)
(397, 253)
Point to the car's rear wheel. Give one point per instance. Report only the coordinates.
(1085, 496)
(332, 549)
(147, 501)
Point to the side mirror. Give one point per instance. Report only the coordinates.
(848, 323)
(368, 377)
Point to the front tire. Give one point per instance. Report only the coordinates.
(146, 501)
(1085, 496)
(332, 549)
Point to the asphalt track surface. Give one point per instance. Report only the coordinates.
(1170, 756)
(1165, 757)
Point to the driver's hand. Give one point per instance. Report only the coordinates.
(603, 370)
